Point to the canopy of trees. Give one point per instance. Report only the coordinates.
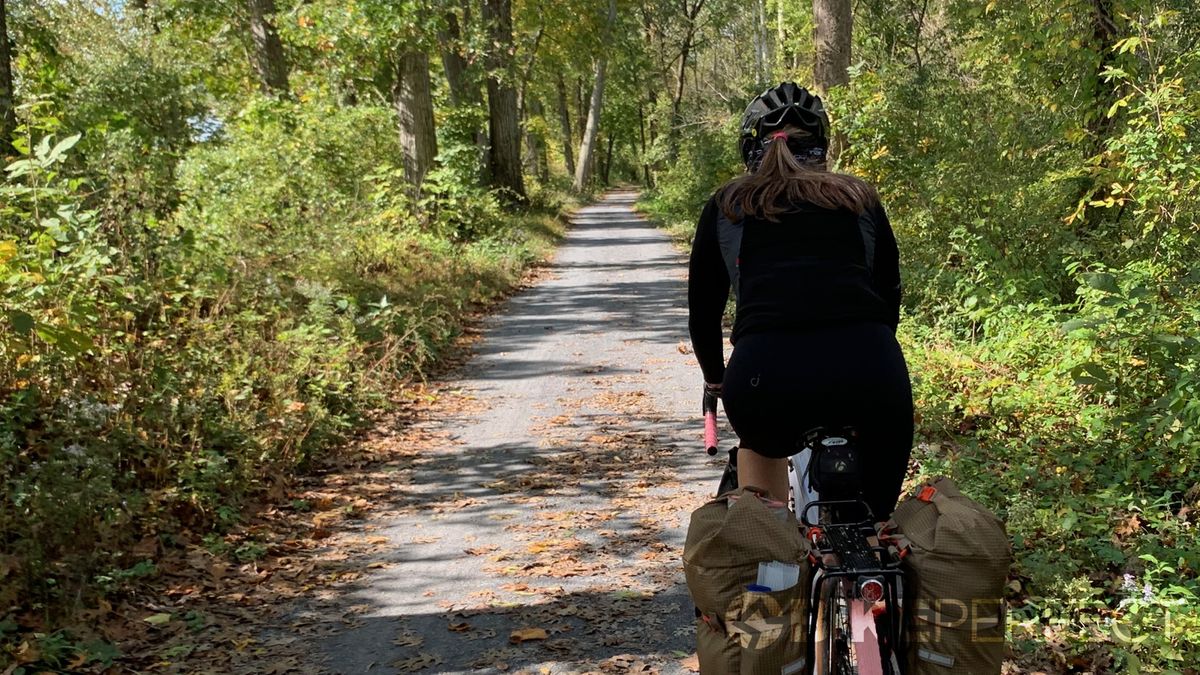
(229, 228)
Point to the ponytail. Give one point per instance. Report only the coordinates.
(783, 182)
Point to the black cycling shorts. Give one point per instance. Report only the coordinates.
(779, 385)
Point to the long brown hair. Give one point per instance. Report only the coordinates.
(782, 182)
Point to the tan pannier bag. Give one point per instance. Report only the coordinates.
(956, 562)
(742, 632)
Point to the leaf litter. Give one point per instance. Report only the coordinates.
(267, 614)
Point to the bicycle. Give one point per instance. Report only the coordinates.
(855, 621)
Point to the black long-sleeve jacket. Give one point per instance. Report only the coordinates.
(816, 267)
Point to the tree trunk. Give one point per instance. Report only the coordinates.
(564, 120)
(677, 99)
(527, 71)
(650, 126)
(535, 144)
(642, 127)
(464, 88)
(685, 52)
(455, 64)
(8, 115)
(503, 125)
(1099, 125)
(1104, 36)
(414, 107)
(832, 20)
(581, 110)
(832, 30)
(781, 40)
(267, 53)
(583, 171)
(608, 158)
(534, 151)
(761, 45)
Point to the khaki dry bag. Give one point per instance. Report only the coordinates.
(740, 631)
(956, 562)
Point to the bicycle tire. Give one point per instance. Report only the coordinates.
(834, 649)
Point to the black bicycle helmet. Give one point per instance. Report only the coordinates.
(777, 107)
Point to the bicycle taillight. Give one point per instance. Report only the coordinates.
(870, 590)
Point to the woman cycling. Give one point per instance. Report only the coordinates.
(814, 268)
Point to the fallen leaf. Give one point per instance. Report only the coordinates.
(27, 653)
(691, 663)
(1128, 526)
(408, 639)
(522, 635)
(157, 619)
(459, 626)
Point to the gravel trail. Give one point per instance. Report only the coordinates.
(543, 532)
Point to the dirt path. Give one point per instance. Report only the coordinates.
(552, 503)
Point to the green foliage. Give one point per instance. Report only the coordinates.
(706, 156)
(201, 298)
(203, 290)
(1044, 189)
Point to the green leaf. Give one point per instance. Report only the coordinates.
(1101, 281)
(63, 146)
(47, 333)
(1128, 44)
(21, 322)
(1068, 522)
(19, 168)
(1091, 374)
(157, 619)
(43, 148)
(102, 651)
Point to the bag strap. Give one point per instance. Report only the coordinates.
(751, 490)
(890, 534)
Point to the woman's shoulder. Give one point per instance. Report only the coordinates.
(713, 206)
(717, 195)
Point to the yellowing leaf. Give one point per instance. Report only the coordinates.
(157, 619)
(527, 635)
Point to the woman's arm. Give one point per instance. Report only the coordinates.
(708, 290)
(886, 270)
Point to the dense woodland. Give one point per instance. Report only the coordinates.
(230, 230)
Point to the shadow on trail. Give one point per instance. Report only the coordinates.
(566, 520)
(613, 629)
(585, 555)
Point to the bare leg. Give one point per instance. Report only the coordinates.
(767, 473)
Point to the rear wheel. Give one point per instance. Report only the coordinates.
(834, 649)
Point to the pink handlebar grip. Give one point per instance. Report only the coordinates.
(710, 432)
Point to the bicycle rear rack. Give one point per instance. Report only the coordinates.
(851, 553)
